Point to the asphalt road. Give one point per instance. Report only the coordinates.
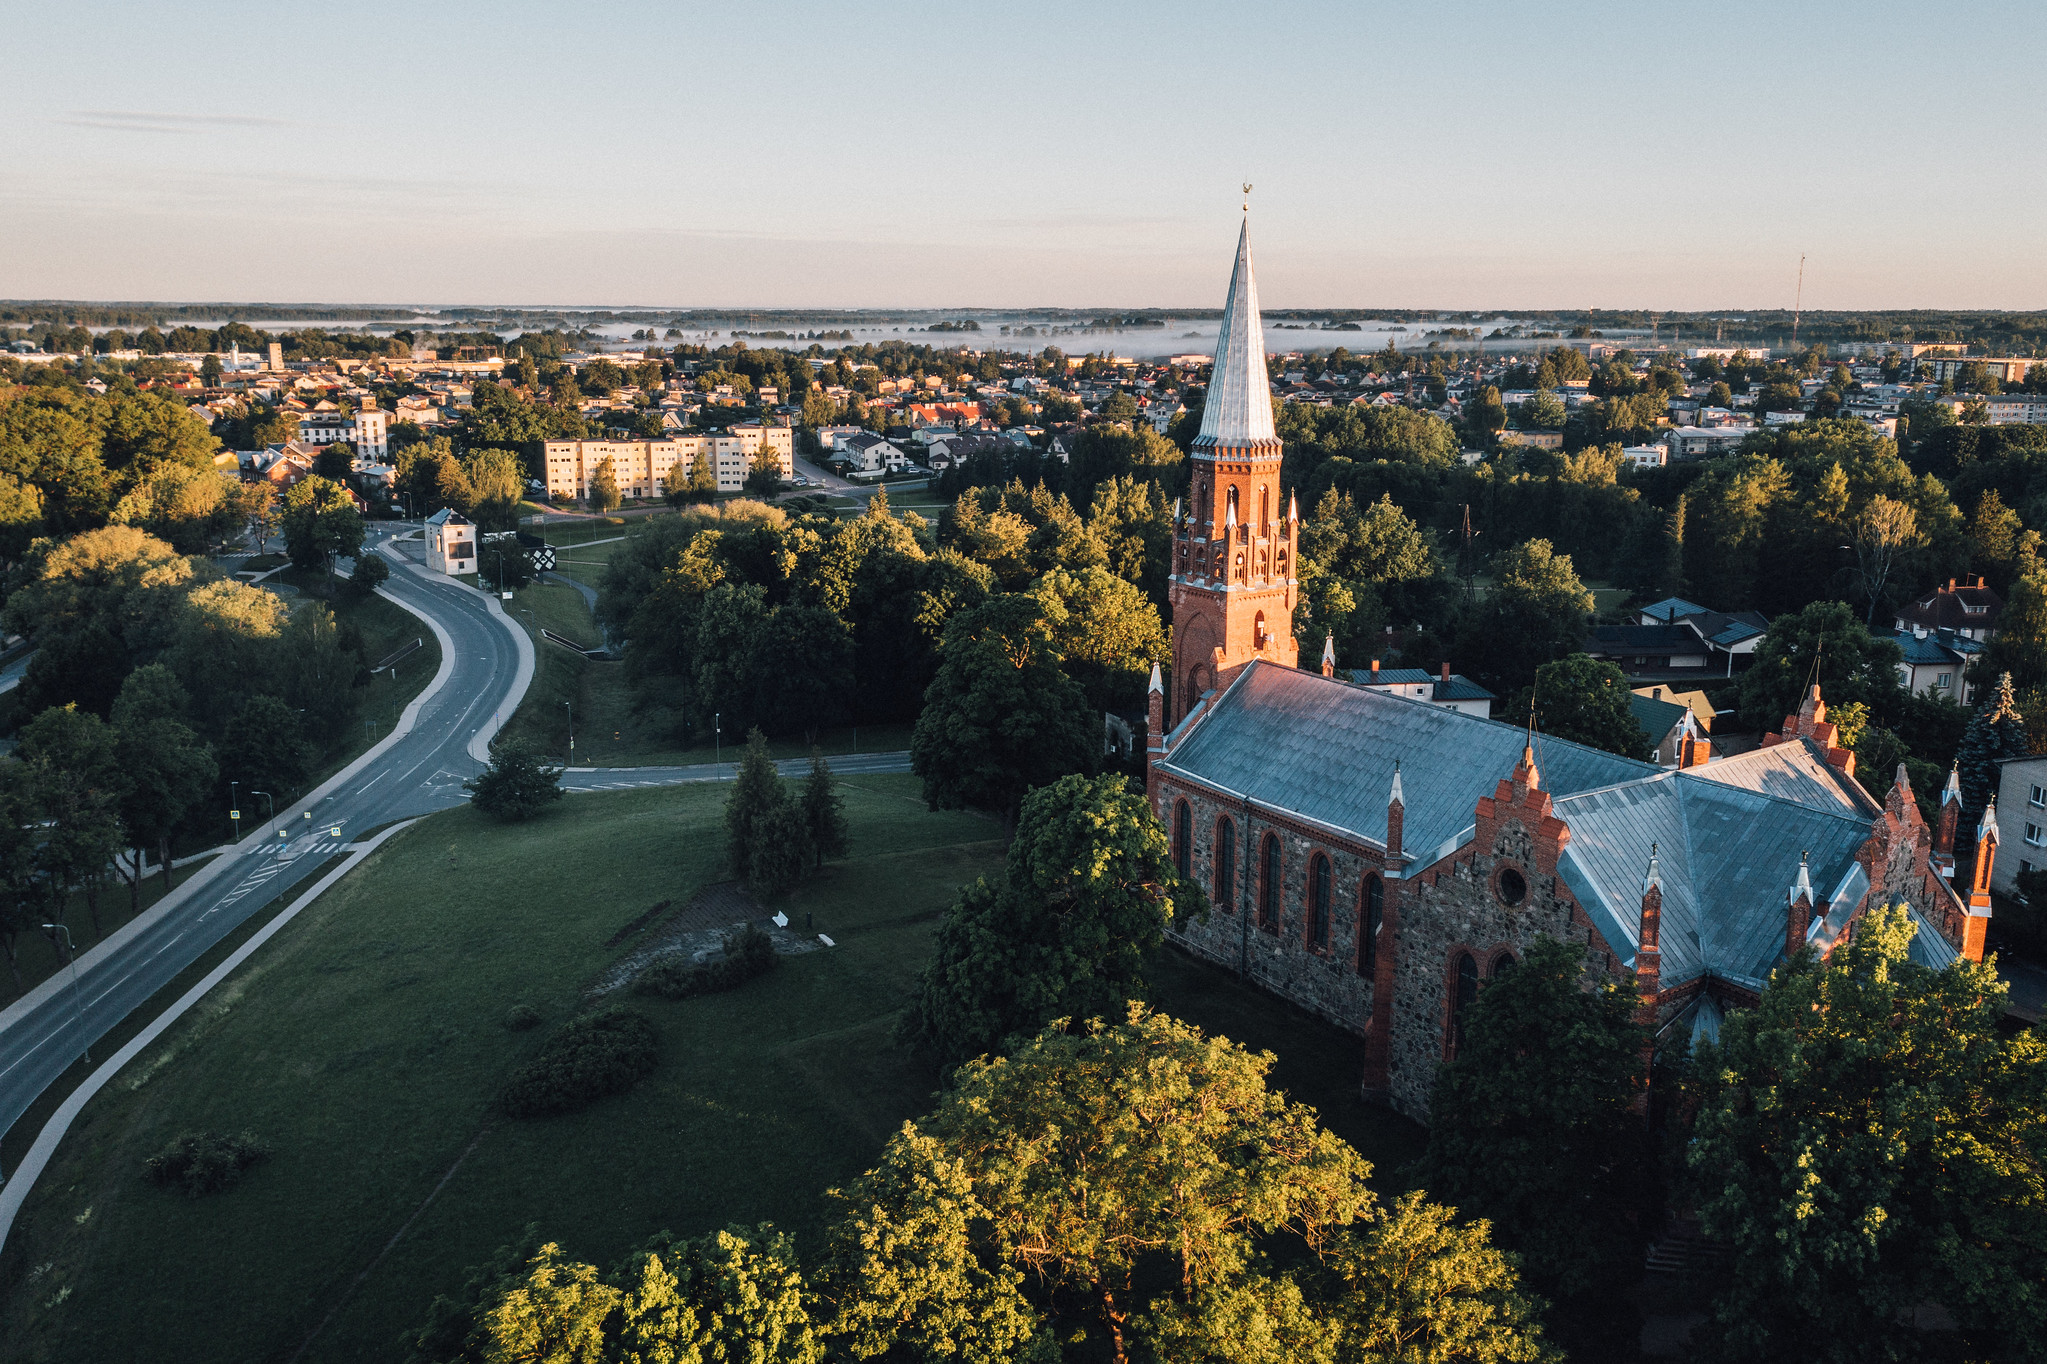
(419, 773)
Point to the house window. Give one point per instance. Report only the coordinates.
(1183, 838)
(1464, 993)
(1318, 903)
(1368, 925)
(1226, 866)
(1268, 884)
(1944, 681)
(2036, 836)
(2038, 796)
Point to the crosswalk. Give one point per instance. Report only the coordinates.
(275, 863)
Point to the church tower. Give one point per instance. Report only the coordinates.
(1232, 586)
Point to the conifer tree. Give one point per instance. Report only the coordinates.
(824, 812)
(1996, 731)
(757, 792)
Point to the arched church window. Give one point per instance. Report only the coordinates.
(1507, 962)
(1268, 884)
(1226, 865)
(1183, 838)
(1318, 903)
(1371, 914)
(1258, 631)
(1465, 994)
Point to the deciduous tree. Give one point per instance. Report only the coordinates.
(1587, 701)
(517, 786)
(1869, 1140)
(320, 524)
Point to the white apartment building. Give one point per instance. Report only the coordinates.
(1702, 442)
(369, 431)
(640, 466)
(450, 542)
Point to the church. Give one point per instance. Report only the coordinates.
(1374, 858)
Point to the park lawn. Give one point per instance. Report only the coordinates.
(364, 1045)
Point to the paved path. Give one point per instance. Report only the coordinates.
(628, 778)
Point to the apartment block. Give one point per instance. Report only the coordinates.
(640, 466)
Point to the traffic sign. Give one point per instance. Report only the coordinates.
(234, 814)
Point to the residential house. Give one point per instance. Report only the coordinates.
(1676, 739)
(2021, 814)
(1675, 640)
(641, 467)
(1935, 663)
(1701, 709)
(450, 542)
(1967, 606)
(1452, 691)
(1687, 443)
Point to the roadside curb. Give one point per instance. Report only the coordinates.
(15, 1192)
(231, 855)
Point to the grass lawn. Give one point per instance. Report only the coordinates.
(365, 1042)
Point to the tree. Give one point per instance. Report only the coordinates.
(1107, 634)
(1135, 1187)
(210, 371)
(336, 462)
(780, 853)
(497, 480)
(264, 747)
(756, 793)
(731, 1295)
(1869, 1140)
(321, 523)
(1083, 899)
(1852, 665)
(1537, 611)
(1531, 1128)
(1000, 717)
(764, 478)
(1485, 414)
(1587, 701)
(1995, 732)
(95, 604)
(604, 494)
(371, 572)
(79, 787)
(824, 812)
(517, 786)
(1885, 530)
(167, 770)
(1543, 412)
(25, 893)
(503, 564)
(2020, 645)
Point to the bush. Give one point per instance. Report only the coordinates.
(205, 1162)
(591, 1057)
(748, 953)
(520, 1017)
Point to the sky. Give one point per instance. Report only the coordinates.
(1477, 155)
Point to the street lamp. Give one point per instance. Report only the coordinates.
(270, 806)
(77, 1000)
(717, 737)
(570, 706)
(234, 807)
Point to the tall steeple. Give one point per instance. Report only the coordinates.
(1238, 414)
(1232, 584)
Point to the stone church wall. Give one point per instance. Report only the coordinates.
(1325, 983)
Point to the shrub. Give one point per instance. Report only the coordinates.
(591, 1057)
(520, 1017)
(205, 1162)
(748, 953)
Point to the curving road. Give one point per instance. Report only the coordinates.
(486, 664)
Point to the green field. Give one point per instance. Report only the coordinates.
(365, 1041)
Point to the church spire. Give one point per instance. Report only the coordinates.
(1238, 411)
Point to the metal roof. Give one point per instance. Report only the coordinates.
(1238, 411)
(1458, 688)
(1729, 835)
(1657, 718)
(1325, 748)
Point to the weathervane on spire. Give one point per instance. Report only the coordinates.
(1247, 196)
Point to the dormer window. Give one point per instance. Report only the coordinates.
(1967, 609)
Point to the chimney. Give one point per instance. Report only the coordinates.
(1798, 921)
(1446, 670)
(1329, 655)
(1694, 752)
(1396, 814)
(1375, 670)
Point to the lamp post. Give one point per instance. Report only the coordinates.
(570, 706)
(234, 807)
(717, 737)
(77, 999)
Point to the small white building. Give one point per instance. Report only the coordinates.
(450, 542)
